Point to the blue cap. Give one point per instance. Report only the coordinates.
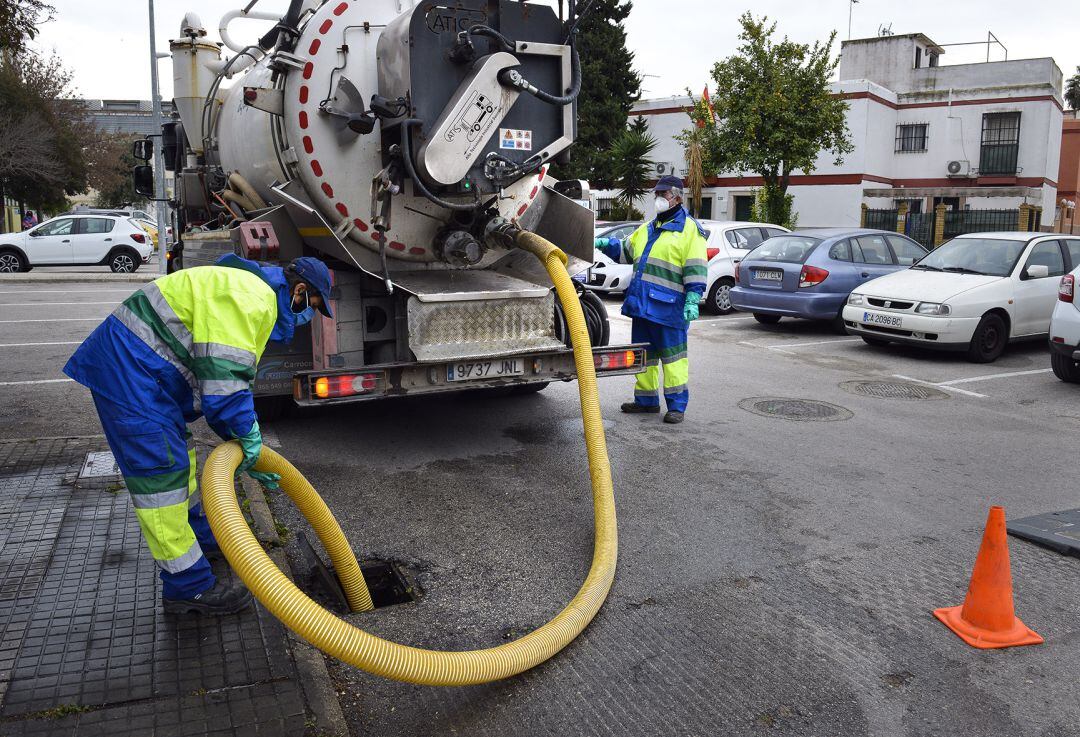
(667, 183)
(315, 273)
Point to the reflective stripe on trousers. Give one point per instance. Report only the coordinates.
(667, 347)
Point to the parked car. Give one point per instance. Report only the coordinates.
(607, 275)
(1065, 322)
(974, 293)
(809, 274)
(728, 243)
(77, 240)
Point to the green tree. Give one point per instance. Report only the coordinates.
(1072, 90)
(694, 141)
(35, 95)
(609, 86)
(19, 21)
(775, 112)
(632, 168)
(110, 162)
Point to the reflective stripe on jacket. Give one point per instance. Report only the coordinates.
(208, 325)
(669, 261)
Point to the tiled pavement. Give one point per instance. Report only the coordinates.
(84, 646)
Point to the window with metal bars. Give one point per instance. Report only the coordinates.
(911, 138)
(1000, 143)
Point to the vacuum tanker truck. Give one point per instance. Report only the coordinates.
(396, 141)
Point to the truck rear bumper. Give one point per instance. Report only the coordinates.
(358, 384)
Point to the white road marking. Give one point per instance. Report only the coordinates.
(58, 319)
(987, 377)
(817, 342)
(38, 381)
(940, 386)
(53, 304)
(774, 350)
(67, 291)
(29, 345)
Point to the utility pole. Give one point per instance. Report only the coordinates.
(159, 160)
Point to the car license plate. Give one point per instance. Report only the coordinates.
(584, 277)
(769, 275)
(485, 369)
(892, 321)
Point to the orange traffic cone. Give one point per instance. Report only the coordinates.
(986, 620)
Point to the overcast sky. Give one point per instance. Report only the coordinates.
(677, 41)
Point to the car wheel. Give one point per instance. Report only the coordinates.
(719, 301)
(12, 263)
(876, 342)
(1065, 368)
(123, 262)
(766, 319)
(837, 323)
(988, 341)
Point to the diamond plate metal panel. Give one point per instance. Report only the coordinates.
(448, 331)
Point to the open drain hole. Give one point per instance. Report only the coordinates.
(388, 586)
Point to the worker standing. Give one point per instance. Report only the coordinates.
(670, 271)
(185, 346)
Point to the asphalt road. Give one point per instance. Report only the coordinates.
(775, 576)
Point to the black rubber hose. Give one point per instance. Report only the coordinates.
(490, 32)
(575, 84)
(406, 153)
(288, 22)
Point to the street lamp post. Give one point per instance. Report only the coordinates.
(159, 161)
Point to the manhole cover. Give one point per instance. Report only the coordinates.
(892, 390)
(802, 410)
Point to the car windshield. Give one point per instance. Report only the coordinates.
(989, 256)
(792, 249)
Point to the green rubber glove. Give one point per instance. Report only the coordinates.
(690, 311)
(251, 444)
(269, 480)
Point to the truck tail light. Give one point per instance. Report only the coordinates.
(345, 385)
(617, 360)
(1066, 288)
(710, 252)
(138, 237)
(811, 276)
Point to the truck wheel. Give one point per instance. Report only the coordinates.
(719, 301)
(1065, 368)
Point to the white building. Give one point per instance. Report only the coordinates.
(977, 136)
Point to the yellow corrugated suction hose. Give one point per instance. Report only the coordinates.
(352, 645)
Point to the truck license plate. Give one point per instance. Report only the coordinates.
(485, 369)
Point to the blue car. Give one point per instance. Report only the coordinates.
(810, 273)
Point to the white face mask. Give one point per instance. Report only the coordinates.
(662, 205)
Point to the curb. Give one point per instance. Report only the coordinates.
(90, 276)
(315, 680)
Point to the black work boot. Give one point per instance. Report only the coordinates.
(673, 417)
(224, 598)
(633, 408)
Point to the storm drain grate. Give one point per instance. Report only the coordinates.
(801, 410)
(892, 390)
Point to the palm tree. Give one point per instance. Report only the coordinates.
(632, 166)
(1072, 90)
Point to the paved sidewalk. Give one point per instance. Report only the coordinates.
(84, 646)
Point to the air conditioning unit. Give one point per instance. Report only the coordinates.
(664, 168)
(958, 168)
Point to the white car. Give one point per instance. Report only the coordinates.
(77, 240)
(606, 275)
(728, 243)
(1065, 322)
(974, 293)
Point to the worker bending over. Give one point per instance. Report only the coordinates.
(182, 347)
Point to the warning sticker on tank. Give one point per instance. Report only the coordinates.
(512, 138)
